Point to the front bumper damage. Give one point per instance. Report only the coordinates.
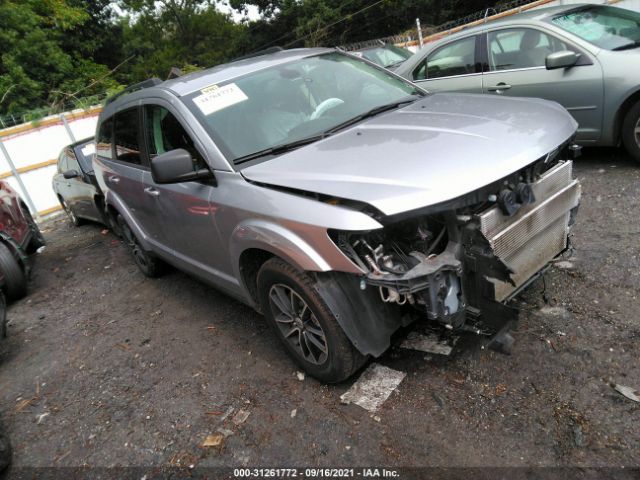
(485, 254)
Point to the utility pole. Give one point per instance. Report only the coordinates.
(419, 32)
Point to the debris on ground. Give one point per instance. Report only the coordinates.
(214, 440)
(41, 417)
(104, 232)
(427, 343)
(564, 265)
(294, 412)
(628, 392)
(240, 417)
(300, 376)
(373, 387)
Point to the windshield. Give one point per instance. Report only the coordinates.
(295, 101)
(386, 56)
(84, 154)
(606, 27)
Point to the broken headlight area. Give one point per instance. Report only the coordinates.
(460, 266)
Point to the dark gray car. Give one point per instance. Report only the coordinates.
(75, 184)
(585, 57)
(338, 199)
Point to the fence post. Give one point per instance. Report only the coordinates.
(16, 175)
(419, 31)
(67, 128)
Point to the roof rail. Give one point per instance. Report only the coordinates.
(259, 53)
(151, 82)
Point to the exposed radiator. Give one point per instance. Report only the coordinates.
(537, 233)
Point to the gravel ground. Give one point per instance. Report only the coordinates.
(104, 367)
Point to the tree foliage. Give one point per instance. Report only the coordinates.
(56, 51)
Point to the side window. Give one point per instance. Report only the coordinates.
(514, 48)
(455, 58)
(125, 136)
(105, 137)
(164, 132)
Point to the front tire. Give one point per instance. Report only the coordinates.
(3, 316)
(304, 324)
(15, 278)
(148, 264)
(631, 132)
(75, 221)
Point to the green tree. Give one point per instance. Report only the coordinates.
(34, 67)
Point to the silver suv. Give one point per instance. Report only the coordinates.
(338, 199)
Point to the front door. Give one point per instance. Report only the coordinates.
(185, 209)
(516, 67)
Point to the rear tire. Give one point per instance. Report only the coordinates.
(304, 324)
(631, 132)
(15, 279)
(147, 262)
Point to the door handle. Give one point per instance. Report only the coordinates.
(152, 191)
(114, 179)
(499, 87)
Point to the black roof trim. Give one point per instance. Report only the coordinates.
(151, 82)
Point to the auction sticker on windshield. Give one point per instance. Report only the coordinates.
(214, 98)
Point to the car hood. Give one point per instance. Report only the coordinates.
(434, 150)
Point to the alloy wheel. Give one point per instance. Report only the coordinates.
(298, 324)
(70, 213)
(131, 240)
(636, 131)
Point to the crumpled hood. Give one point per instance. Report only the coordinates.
(431, 151)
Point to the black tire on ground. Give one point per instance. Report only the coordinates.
(15, 278)
(37, 239)
(311, 322)
(3, 316)
(147, 262)
(75, 221)
(631, 132)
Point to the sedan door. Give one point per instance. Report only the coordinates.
(516, 67)
(453, 67)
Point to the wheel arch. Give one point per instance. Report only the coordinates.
(253, 243)
(629, 102)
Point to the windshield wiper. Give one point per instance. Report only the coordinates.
(372, 113)
(278, 149)
(627, 46)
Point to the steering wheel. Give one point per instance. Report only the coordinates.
(325, 106)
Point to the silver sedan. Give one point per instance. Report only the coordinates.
(585, 57)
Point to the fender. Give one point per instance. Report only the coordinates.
(276, 239)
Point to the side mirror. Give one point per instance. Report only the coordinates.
(176, 166)
(70, 174)
(563, 59)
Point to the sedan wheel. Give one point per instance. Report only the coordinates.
(631, 132)
(72, 216)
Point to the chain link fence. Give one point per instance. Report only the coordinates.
(84, 103)
(411, 35)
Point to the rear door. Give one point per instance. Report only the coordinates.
(516, 67)
(452, 67)
(80, 193)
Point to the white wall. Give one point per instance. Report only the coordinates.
(38, 145)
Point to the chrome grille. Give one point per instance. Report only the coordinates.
(527, 241)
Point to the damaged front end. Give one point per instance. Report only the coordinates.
(458, 264)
